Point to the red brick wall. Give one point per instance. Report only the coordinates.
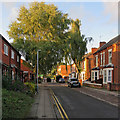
(64, 72)
(25, 68)
(14, 61)
(5, 58)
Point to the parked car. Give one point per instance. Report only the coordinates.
(48, 79)
(73, 82)
(61, 80)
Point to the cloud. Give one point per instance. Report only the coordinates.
(14, 13)
(111, 9)
(81, 13)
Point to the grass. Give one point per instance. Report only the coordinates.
(15, 104)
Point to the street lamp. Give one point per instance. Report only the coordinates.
(37, 68)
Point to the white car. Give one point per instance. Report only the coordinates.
(73, 82)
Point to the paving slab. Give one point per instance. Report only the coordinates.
(42, 107)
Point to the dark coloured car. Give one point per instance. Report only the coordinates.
(48, 79)
(73, 82)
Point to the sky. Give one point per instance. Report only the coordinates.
(99, 18)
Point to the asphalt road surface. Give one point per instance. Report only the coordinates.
(78, 105)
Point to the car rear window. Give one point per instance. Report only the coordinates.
(74, 80)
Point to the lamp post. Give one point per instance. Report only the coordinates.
(37, 67)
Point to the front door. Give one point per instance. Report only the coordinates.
(95, 76)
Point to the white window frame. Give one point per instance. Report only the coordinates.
(109, 76)
(13, 75)
(103, 58)
(109, 57)
(5, 49)
(101, 72)
(17, 58)
(12, 54)
(83, 74)
(104, 82)
(94, 75)
(96, 59)
(107, 69)
(84, 64)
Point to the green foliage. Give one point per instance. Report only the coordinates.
(15, 104)
(9, 84)
(32, 88)
(18, 85)
(76, 44)
(6, 82)
(41, 26)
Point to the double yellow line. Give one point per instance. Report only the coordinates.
(59, 106)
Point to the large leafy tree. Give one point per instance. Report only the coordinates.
(76, 43)
(41, 26)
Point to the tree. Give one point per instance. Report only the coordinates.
(41, 26)
(76, 43)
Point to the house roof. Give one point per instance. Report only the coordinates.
(114, 40)
(9, 44)
(96, 68)
(108, 65)
(87, 55)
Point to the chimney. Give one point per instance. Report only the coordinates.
(93, 50)
(101, 44)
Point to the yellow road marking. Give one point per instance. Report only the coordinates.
(60, 105)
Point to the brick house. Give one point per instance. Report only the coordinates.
(26, 71)
(10, 59)
(86, 65)
(61, 70)
(107, 64)
(73, 71)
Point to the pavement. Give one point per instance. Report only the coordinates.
(43, 106)
(111, 97)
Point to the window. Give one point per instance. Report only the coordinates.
(83, 76)
(13, 77)
(5, 49)
(101, 72)
(105, 76)
(96, 60)
(17, 58)
(84, 64)
(104, 58)
(12, 54)
(96, 73)
(101, 59)
(92, 75)
(110, 56)
(109, 75)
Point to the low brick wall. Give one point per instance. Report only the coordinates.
(93, 85)
(115, 86)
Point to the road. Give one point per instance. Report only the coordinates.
(78, 105)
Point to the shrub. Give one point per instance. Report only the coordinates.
(32, 88)
(27, 88)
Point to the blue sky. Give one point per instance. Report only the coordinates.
(99, 19)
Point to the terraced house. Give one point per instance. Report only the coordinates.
(10, 59)
(107, 64)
